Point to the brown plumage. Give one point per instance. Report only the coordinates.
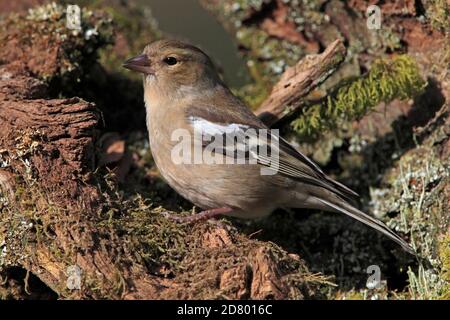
(182, 90)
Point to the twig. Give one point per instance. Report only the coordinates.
(298, 81)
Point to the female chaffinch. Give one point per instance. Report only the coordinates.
(183, 96)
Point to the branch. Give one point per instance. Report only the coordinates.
(298, 81)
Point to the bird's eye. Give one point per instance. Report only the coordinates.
(170, 61)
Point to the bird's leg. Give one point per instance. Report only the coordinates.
(204, 215)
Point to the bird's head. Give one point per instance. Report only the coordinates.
(171, 66)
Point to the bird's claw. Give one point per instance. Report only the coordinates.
(173, 217)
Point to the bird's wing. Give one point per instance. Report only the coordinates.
(245, 137)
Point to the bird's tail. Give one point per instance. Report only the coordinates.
(341, 205)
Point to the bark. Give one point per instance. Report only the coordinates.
(289, 93)
(64, 132)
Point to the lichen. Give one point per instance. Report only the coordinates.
(418, 188)
(17, 226)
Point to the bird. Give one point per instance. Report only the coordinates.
(184, 95)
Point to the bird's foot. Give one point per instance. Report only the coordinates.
(201, 216)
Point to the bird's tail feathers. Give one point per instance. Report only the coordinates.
(346, 208)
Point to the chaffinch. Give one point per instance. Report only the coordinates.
(184, 96)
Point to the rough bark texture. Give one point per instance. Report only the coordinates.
(62, 131)
(289, 93)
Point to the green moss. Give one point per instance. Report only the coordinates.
(156, 241)
(386, 81)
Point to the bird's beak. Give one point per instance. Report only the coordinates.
(140, 63)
